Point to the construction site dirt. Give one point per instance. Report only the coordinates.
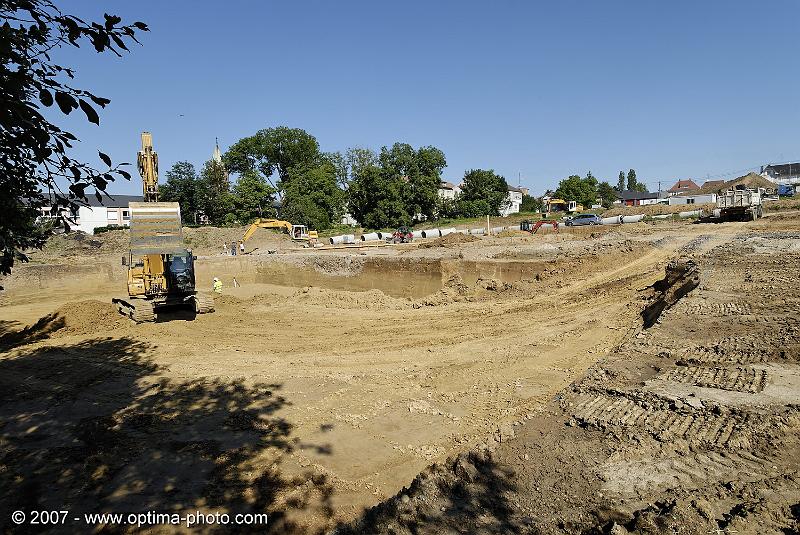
(482, 385)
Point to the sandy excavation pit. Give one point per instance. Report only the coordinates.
(323, 385)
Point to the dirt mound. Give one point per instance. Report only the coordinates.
(87, 317)
(449, 240)
(80, 244)
(368, 300)
(82, 317)
(656, 209)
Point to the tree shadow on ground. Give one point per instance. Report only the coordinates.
(11, 335)
(470, 493)
(92, 427)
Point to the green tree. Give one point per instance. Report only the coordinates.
(581, 190)
(421, 172)
(632, 183)
(483, 193)
(377, 201)
(273, 150)
(181, 187)
(607, 194)
(213, 195)
(313, 197)
(531, 204)
(253, 197)
(36, 166)
(621, 181)
(359, 158)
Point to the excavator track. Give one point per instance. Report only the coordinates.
(140, 311)
(203, 303)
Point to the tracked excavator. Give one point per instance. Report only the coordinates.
(161, 270)
(296, 232)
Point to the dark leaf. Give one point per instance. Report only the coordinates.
(66, 102)
(98, 196)
(100, 101)
(120, 43)
(105, 158)
(89, 111)
(112, 20)
(124, 174)
(142, 26)
(45, 97)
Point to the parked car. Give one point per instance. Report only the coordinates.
(584, 219)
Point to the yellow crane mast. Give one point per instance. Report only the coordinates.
(148, 168)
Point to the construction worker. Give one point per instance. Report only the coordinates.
(217, 285)
(241, 247)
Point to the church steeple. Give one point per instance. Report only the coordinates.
(217, 156)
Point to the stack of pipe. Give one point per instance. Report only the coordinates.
(344, 238)
(691, 213)
(431, 233)
(632, 218)
(615, 220)
(372, 236)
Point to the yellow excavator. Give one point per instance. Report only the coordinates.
(296, 232)
(160, 268)
(560, 205)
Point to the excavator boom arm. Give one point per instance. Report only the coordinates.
(147, 161)
(266, 223)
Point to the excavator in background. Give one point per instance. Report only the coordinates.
(160, 268)
(529, 226)
(560, 205)
(296, 232)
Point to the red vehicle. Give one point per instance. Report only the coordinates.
(402, 235)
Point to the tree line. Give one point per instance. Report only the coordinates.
(399, 185)
(588, 190)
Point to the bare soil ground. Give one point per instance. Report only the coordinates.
(512, 374)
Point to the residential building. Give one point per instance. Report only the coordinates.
(637, 198)
(683, 186)
(448, 190)
(112, 211)
(513, 201)
(689, 198)
(785, 173)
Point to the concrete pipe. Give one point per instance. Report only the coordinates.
(615, 220)
(498, 230)
(446, 231)
(372, 236)
(418, 234)
(691, 213)
(662, 216)
(478, 231)
(431, 233)
(514, 227)
(385, 235)
(632, 218)
(463, 231)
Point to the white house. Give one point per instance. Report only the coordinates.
(513, 201)
(113, 211)
(700, 198)
(448, 190)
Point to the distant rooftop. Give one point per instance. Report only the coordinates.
(629, 195)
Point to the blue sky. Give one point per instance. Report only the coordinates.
(679, 89)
